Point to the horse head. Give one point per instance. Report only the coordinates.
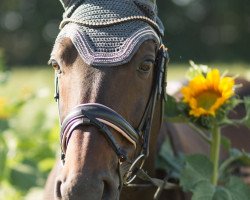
(109, 66)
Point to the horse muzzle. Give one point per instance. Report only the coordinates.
(86, 173)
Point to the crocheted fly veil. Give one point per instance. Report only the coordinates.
(109, 32)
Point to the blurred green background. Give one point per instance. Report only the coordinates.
(209, 32)
(201, 30)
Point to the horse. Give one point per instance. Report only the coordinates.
(109, 64)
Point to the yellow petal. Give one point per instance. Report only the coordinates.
(205, 95)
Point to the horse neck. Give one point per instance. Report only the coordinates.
(156, 124)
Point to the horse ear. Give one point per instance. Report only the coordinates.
(151, 10)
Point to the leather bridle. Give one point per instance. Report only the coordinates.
(105, 118)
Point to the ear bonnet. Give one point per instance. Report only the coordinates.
(109, 32)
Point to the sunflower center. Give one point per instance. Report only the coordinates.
(207, 99)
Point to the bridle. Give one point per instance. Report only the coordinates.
(105, 118)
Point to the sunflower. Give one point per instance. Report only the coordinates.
(206, 94)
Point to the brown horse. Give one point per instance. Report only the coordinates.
(101, 149)
(90, 169)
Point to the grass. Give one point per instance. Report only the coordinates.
(43, 76)
(176, 72)
(23, 79)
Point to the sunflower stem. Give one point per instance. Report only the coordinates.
(215, 153)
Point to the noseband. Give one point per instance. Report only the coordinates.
(101, 117)
(104, 118)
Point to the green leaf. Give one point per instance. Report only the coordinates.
(203, 191)
(169, 162)
(235, 189)
(246, 120)
(171, 107)
(196, 70)
(206, 191)
(198, 168)
(174, 111)
(222, 193)
(46, 165)
(235, 152)
(241, 156)
(4, 124)
(235, 157)
(238, 189)
(3, 157)
(23, 177)
(222, 115)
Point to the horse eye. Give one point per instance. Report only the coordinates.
(145, 66)
(56, 66)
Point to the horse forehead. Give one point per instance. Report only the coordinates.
(147, 48)
(64, 50)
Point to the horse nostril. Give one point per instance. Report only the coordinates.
(58, 189)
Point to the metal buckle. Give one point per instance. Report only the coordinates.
(131, 174)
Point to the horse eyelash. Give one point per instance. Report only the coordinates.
(49, 62)
(52, 62)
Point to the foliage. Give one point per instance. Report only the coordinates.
(205, 177)
(166, 159)
(196, 178)
(28, 142)
(201, 25)
(29, 27)
(3, 70)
